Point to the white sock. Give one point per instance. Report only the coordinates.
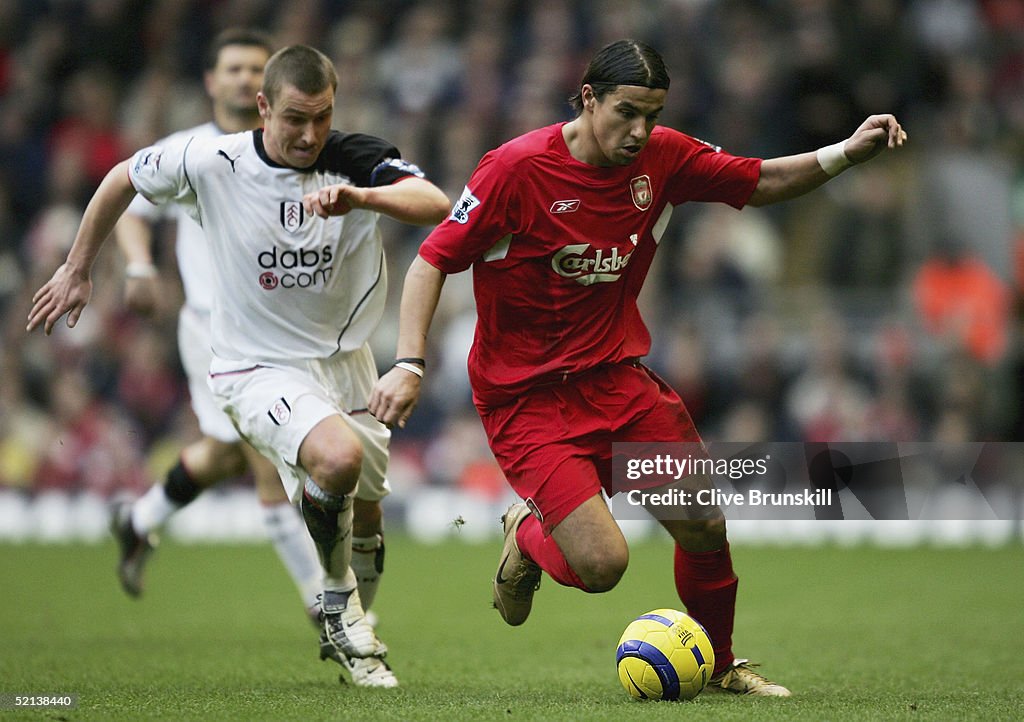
(152, 510)
(346, 583)
(364, 564)
(293, 545)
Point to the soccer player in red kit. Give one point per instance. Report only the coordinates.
(560, 226)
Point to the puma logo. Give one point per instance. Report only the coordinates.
(229, 159)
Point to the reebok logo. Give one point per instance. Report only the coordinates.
(565, 206)
(601, 266)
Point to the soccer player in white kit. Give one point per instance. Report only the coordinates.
(234, 73)
(290, 214)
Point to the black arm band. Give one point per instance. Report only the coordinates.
(411, 360)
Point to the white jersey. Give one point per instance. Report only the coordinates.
(287, 285)
(190, 246)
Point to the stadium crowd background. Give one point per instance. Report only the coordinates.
(886, 306)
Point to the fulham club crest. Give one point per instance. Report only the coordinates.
(293, 214)
(640, 189)
(281, 412)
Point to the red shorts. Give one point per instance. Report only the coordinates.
(554, 443)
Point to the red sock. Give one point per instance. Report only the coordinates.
(707, 586)
(545, 553)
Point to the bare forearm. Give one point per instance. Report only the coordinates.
(787, 177)
(413, 200)
(792, 176)
(420, 295)
(107, 204)
(395, 394)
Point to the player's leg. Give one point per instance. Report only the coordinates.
(707, 586)
(202, 464)
(367, 548)
(368, 565)
(702, 565)
(287, 531)
(289, 416)
(585, 550)
(352, 384)
(331, 454)
(704, 579)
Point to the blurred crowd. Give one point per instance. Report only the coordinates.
(886, 306)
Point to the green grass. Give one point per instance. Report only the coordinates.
(857, 633)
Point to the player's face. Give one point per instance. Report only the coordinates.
(622, 121)
(295, 129)
(237, 77)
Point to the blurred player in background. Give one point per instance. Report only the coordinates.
(560, 226)
(294, 299)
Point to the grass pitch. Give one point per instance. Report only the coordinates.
(860, 633)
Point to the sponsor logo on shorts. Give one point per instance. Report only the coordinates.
(295, 267)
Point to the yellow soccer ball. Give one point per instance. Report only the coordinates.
(664, 654)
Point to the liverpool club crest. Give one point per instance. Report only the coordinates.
(640, 188)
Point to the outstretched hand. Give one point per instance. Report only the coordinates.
(68, 291)
(336, 200)
(873, 136)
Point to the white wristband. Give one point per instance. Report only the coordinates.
(832, 158)
(411, 368)
(140, 269)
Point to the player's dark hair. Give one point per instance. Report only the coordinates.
(305, 68)
(248, 37)
(624, 62)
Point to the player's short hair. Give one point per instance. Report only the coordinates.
(624, 62)
(248, 37)
(305, 68)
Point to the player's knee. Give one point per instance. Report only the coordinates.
(601, 572)
(337, 469)
(702, 535)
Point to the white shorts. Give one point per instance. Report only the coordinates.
(194, 349)
(275, 406)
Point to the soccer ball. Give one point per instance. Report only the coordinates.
(664, 654)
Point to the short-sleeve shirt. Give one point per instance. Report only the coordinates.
(560, 250)
(288, 285)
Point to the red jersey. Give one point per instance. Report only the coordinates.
(560, 250)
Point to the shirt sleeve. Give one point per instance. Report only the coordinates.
(707, 173)
(369, 161)
(160, 175)
(487, 212)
